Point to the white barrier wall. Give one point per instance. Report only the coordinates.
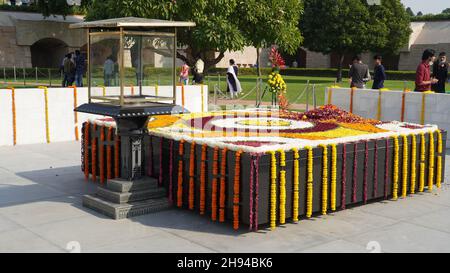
(25, 119)
(419, 107)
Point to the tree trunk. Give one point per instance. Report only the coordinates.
(339, 73)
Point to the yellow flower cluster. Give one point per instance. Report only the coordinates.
(413, 163)
(325, 180)
(282, 187)
(296, 177)
(395, 182)
(439, 160)
(309, 185)
(273, 191)
(431, 163)
(422, 162)
(405, 166)
(276, 83)
(333, 176)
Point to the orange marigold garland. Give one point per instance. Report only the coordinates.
(237, 178)
(191, 176)
(86, 150)
(215, 173)
(203, 179)
(180, 174)
(94, 153)
(13, 105)
(101, 156)
(223, 173)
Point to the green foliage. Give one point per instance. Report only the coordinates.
(431, 17)
(59, 7)
(447, 10)
(410, 12)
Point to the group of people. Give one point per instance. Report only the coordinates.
(434, 78)
(359, 73)
(431, 73)
(233, 83)
(73, 67)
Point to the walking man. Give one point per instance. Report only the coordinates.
(359, 73)
(379, 75)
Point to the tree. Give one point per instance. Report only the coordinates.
(410, 12)
(60, 7)
(419, 13)
(447, 10)
(352, 26)
(270, 22)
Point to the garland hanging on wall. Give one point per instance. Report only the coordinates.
(439, 160)
(191, 176)
(101, 155)
(86, 150)
(386, 169)
(309, 184)
(366, 170)
(413, 163)
(236, 185)
(273, 191)
(108, 153)
(282, 187)
(344, 177)
(180, 175)
(223, 173)
(171, 171)
(396, 168)
(333, 176)
(203, 179)
(324, 180)
(94, 152)
(422, 163)
(375, 170)
(431, 163)
(355, 171)
(295, 200)
(215, 173)
(405, 166)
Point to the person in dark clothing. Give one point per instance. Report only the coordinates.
(440, 72)
(233, 84)
(79, 68)
(423, 78)
(379, 75)
(359, 73)
(69, 70)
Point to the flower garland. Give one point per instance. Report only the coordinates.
(160, 179)
(379, 105)
(75, 113)
(295, 200)
(13, 107)
(439, 160)
(108, 154)
(150, 158)
(386, 169)
(333, 176)
(422, 163)
(352, 92)
(101, 158)
(402, 114)
(366, 170)
(171, 171)
(422, 113)
(282, 187)
(223, 173)
(413, 163)
(237, 179)
(431, 163)
(325, 180)
(94, 153)
(375, 170)
(396, 167)
(215, 172)
(47, 126)
(251, 193)
(116, 157)
(191, 176)
(405, 166)
(309, 187)
(180, 174)
(256, 163)
(86, 150)
(273, 191)
(355, 171)
(203, 179)
(344, 176)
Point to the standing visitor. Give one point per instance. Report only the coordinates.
(423, 79)
(233, 84)
(359, 73)
(68, 70)
(184, 74)
(440, 72)
(79, 68)
(198, 71)
(108, 71)
(379, 75)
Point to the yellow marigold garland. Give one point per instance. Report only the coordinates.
(431, 163)
(405, 166)
(295, 200)
(422, 162)
(273, 191)
(282, 187)
(325, 180)
(333, 176)
(439, 160)
(413, 163)
(396, 157)
(309, 185)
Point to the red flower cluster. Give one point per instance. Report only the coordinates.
(331, 112)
